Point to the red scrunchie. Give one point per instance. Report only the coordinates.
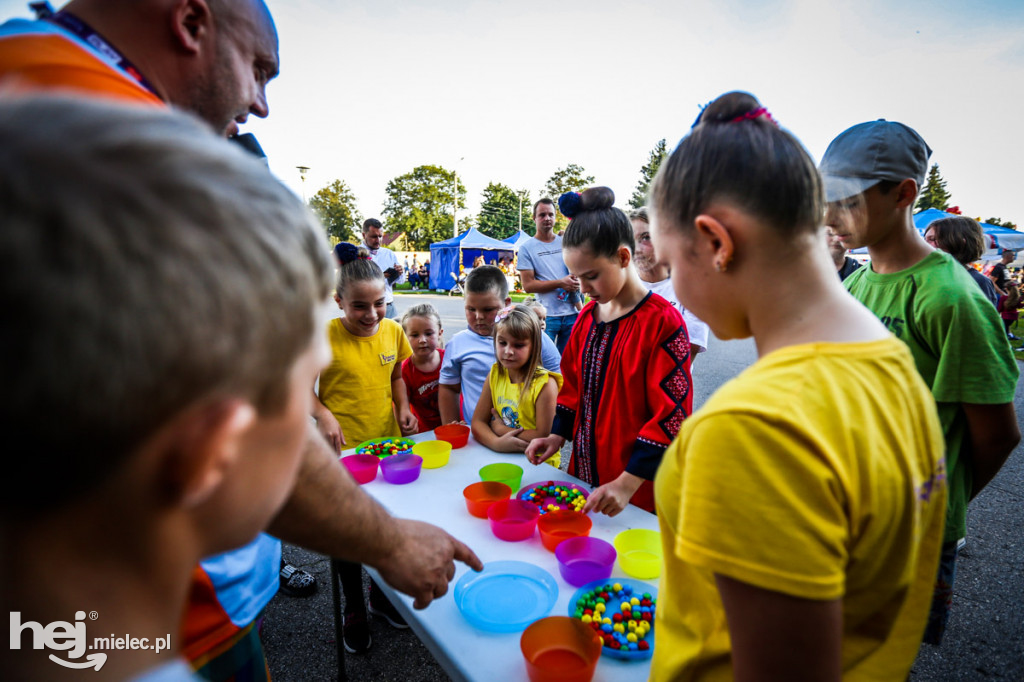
(756, 113)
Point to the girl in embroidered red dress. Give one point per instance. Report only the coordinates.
(626, 369)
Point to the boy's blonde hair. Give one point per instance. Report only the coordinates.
(521, 323)
(145, 266)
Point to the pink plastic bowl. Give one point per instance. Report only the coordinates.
(401, 469)
(513, 520)
(584, 559)
(362, 467)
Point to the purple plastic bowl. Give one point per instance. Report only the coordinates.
(401, 469)
(584, 559)
(362, 467)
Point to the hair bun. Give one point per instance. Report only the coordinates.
(346, 253)
(570, 204)
(731, 107)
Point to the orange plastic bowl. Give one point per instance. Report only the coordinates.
(560, 649)
(480, 496)
(456, 434)
(562, 525)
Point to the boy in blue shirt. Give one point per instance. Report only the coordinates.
(468, 357)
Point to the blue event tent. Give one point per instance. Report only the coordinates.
(446, 256)
(998, 237)
(517, 239)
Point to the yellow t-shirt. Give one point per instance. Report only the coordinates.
(818, 473)
(356, 386)
(505, 399)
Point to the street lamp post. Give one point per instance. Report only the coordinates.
(455, 201)
(302, 177)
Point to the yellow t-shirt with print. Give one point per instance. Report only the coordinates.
(505, 399)
(817, 473)
(356, 386)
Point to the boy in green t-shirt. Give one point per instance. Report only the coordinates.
(872, 174)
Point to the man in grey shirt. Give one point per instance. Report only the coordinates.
(544, 275)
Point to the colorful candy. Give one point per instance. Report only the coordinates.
(631, 616)
(553, 496)
(385, 447)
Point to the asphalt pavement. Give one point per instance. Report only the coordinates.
(984, 641)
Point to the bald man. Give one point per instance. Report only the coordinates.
(214, 58)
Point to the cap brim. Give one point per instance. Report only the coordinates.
(841, 187)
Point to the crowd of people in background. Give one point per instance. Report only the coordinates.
(825, 488)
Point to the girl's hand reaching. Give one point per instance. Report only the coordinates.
(612, 498)
(540, 450)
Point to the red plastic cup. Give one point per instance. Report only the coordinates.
(456, 434)
(557, 526)
(480, 496)
(401, 469)
(362, 467)
(584, 559)
(560, 649)
(513, 520)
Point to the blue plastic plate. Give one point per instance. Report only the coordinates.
(637, 586)
(506, 596)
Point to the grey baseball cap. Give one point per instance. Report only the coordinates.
(867, 153)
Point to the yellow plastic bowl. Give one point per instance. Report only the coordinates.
(639, 552)
(435, 453)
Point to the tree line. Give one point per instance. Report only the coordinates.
(936, 195)
(420, 203)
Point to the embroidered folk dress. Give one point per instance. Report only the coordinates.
(626, 391)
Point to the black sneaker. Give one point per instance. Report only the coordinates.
(380, 606)
(296, 582)
(357, 633)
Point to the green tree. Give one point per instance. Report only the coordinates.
(999, 222)
(335, 205)
(500, 214)
(935, 194)
(420, 204)
(647, 174)
(572, 178)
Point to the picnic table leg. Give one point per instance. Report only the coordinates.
(339, 622)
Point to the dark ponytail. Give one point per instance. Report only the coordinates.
(736, 153)
(595, 223)
(354, 265)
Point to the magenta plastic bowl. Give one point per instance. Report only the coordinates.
(362, 467)
(513, 520)
(401, 469)
(584, 559)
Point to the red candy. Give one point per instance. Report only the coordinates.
(642, 645)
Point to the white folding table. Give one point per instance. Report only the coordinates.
(465, 652)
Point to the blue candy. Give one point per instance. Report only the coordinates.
(606, 627)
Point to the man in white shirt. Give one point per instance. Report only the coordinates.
(655, 277)
(545, 275)
(394, 273)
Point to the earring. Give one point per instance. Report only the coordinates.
(719, 267)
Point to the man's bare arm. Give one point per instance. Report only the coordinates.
(532, 285)
(327, 512)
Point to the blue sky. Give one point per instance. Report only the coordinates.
(510, 91)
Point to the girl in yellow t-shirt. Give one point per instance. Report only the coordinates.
(801, 507)
(362, 391)
(519, 393)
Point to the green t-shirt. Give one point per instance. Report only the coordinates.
(959, 347)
